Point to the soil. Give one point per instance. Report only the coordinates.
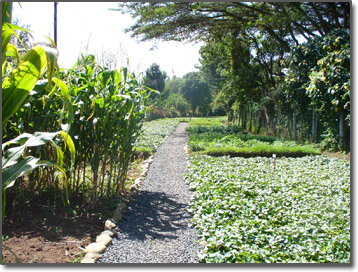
(41, 235)
(339, 155)
(37, 232)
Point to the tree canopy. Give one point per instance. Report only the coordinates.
(269, 65)
(282, 21)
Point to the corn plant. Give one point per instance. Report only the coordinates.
(89, 118)
(18, 87)
(109, 107)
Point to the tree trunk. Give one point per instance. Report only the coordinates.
(341, 132)
(268, 121)
(314, 126)
(258, 122)
(294, 125)
(244, 118)
(278, 122)
(250, 124)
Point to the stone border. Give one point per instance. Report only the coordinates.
(94, 250)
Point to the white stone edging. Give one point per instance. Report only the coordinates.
(94, 250)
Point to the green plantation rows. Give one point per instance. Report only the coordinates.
(248, 212)
(222, 140)
(154, 132)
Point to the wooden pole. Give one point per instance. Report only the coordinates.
(55, 22)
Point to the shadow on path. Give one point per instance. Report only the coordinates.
(154, 215)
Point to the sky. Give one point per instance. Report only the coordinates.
(89, 27)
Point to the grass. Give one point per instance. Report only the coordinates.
(211, 121)
(221, 140)
(261, 151)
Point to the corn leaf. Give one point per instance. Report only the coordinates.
(16, 87)
(9, 175)
(6, 11)
(62, 171)
(66, 97)
(12, 155)
(51, 56)
(70, 144)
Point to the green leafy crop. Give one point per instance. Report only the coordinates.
(248, 212)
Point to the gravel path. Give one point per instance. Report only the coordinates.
(156, 226)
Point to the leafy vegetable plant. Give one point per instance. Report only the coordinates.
(248, 212)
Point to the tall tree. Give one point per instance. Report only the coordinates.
(155, 78)
(197, 93)
(200, 20)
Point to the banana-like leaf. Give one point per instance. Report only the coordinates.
(7, 31)
(17, 170)
(12, 155)
(12, 168)
(6, 11)
(16, 87)
(28, 164)
(9, 176)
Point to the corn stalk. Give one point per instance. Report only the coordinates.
(18, 84)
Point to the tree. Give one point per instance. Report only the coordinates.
(172, 98)
(201, 20)
(329, 84)
(318, 82)
(246, 44)
(155, 78)
(196, 92)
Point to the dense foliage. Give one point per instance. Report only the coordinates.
(186, 96)
(219, 140)
(154, 132)
(66, 133)
(248, 212)
(280, 68)
(24, 145)
(109, 112)
(318, 78)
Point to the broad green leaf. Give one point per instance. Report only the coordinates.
(9, 175)
(16, 87)
(51, 56)
(71, 146)
(11, 51)
(6, 12)
(12, 155)
(66, 97)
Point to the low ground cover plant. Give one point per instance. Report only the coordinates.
(210, 121)
(233, 141)
(154, 132)
(248, 212)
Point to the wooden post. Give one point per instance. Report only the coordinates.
(55, 22)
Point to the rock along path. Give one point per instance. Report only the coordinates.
(155, 228)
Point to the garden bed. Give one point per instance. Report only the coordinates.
(289, 210)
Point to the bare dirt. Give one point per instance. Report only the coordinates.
(44, 235)
(37, 232)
